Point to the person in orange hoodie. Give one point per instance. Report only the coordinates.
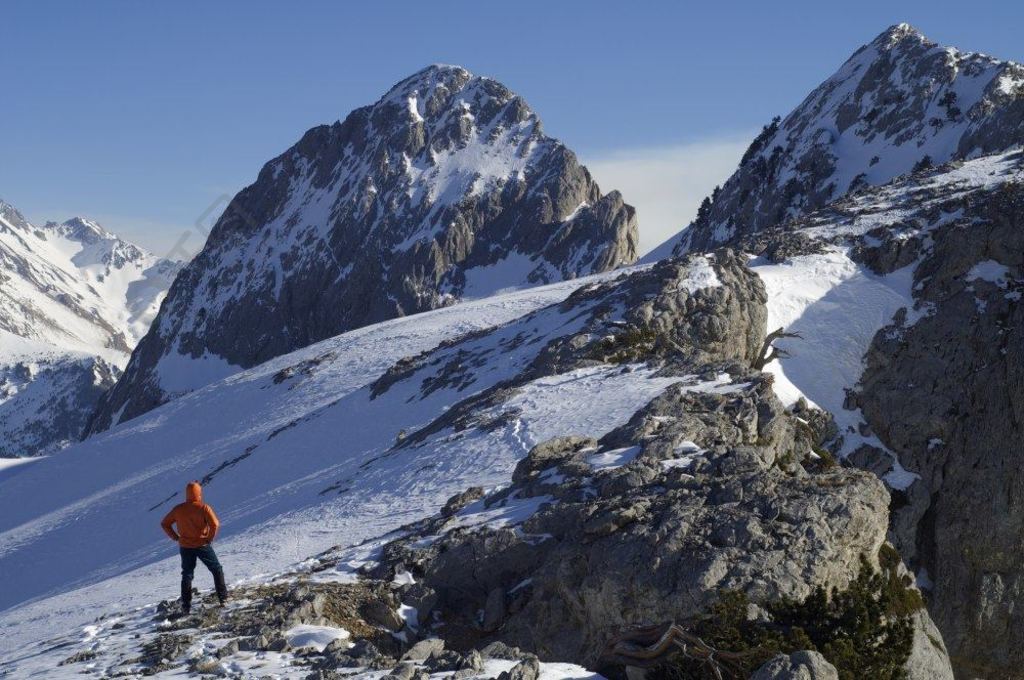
(197, 527)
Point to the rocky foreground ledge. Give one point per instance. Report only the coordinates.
(712, 535)
(735, 541)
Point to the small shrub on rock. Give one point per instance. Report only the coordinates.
(633, 345)
(865, 630)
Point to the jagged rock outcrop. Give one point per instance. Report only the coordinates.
(446, 188)
(944, 389)
(680, 315)
(702, 492)
(692, 510)
(898, 104)
(941, 389)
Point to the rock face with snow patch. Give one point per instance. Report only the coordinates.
(899, 103)
(684, 314)
(944, 389)
(446, 188)
(941, 388)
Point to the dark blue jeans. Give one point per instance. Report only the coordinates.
(207, 556)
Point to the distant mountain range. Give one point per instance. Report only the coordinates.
(74, 301)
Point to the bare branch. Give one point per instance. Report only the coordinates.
(769, 353)
(649, 646)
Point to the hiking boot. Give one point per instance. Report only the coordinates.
(186, 596)
(220, 586)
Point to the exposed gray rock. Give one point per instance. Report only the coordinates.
(524, 670)
(499, 650)
(381, 613)
(445, 661)
(658, 538)
(473, 661)
(872, 459)
(461, 500)
(494, 609)
(79, 657)
(803, 665)
(406, 671)
(387, 213)
(929, 659)
(423, 649)
(164, 648)
(946, 394)
(228, 649)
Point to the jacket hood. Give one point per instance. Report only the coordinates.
(194, 493)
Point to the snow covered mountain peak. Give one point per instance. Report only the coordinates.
(83, 230)
(896, 33)
(74, 301)
(900, 103)
(428, 77)
(428, 94)
(88, 243)
(12, 217)
(446, 188)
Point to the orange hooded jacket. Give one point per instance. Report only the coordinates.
(197, 523)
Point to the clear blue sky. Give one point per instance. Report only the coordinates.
(142, 114)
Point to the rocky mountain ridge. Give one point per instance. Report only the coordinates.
(900, 103)
(925, 267)
(446, 188)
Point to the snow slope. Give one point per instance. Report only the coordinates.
(836, 305)
(297, 457)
